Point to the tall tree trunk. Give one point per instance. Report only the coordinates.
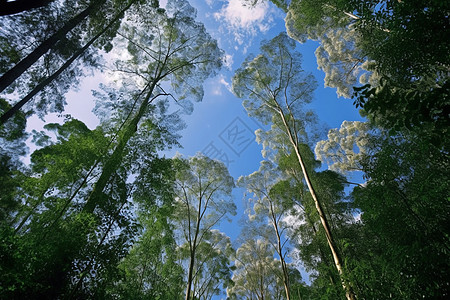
(325, 224)
(193, 248)
(190, 274)
(10, 76)
(116, 158)
(9, 113)
(286, 280)
(322, 255)
(280, 253)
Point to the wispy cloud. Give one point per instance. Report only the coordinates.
(244, 21)
(225, 83)
(218, 84)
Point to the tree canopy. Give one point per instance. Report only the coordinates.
(110, 212)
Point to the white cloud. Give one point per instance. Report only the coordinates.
(242, 16)
(225, 83)
(245, 20)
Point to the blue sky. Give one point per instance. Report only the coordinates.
(239, 31)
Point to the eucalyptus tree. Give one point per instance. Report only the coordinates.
(306, 234)
(169, 57)
(257, 273)
(41, 231)
(203, 198)
(212, 271)
(67, 250)
(44, 41)
(344, 63)
(275, 88)
(76, 222)
(401, 43)
(401, 205)
(345, 147)
(13, 136)
(12, 177)
(167, 49)
(24, 43)
(390, 56)
(394, 34)
(270, 211)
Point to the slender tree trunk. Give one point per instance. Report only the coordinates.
(325, 224)
(261, 288)
(193, 250)
(30, 213)
(286, 279)
(117, 156)
(9, 113)
(10, 76)
(190, 274)
(322, 255)
(280, 253)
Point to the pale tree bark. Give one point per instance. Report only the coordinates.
(193, 248)
(291, 131)
(310, 222)
(274, 213)
(204, 199)
(279, 249)
(274, 81)
(323, 220)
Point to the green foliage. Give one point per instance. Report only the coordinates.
(52, 61)
(98, 214)
(203, 199)
(12, 147)
(403, 44)
(405, 216)
(150, 270)
(274, 82)
(424, 108)
(407, 39)
(345, 147)
(257, 272)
